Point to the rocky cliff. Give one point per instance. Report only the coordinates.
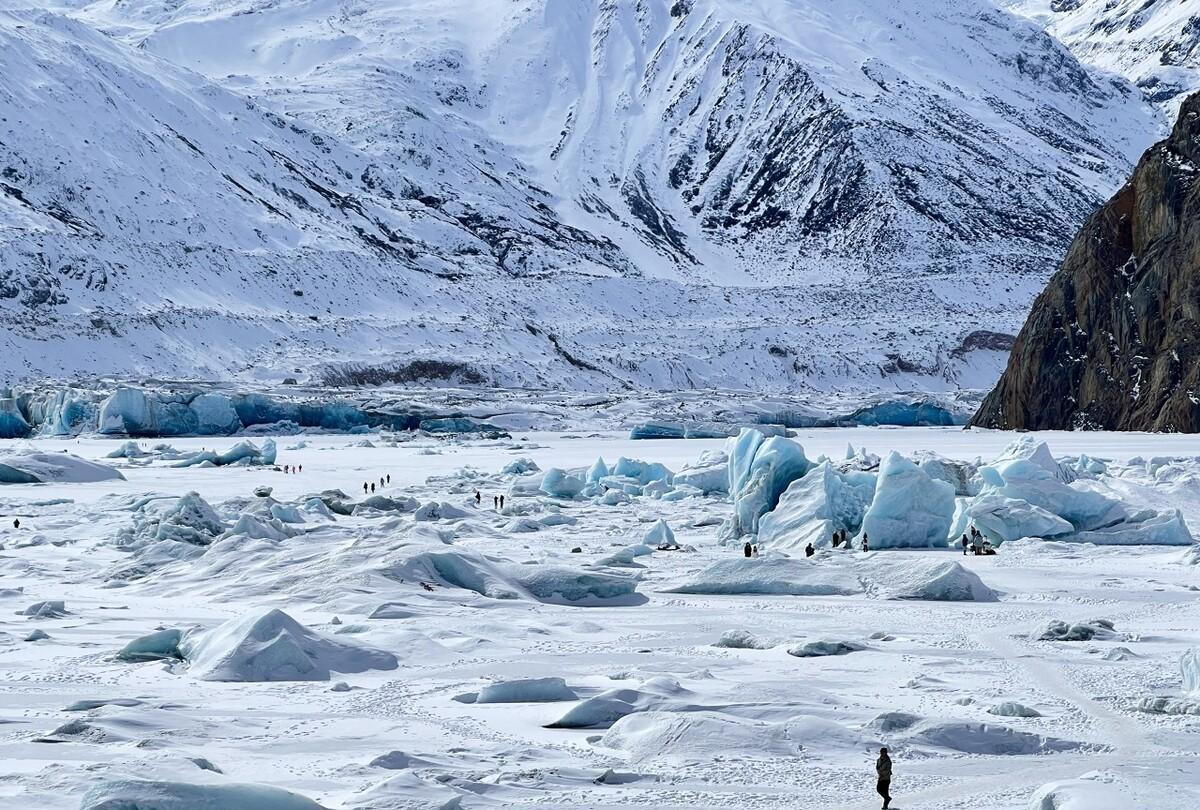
(1114, 340)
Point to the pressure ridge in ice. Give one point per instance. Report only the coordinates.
(273, 646)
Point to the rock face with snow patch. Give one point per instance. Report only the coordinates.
(274, 647)
(1111, 342)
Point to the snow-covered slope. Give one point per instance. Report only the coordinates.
(1154, 43)
(697, 193)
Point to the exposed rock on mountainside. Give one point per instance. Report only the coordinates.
(1113, 342)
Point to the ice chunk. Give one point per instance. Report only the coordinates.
(1003, 519)
(910, 509)
(247, 525)
(12, 421)
(439, 510)
(189, 519)
(527, 690)
(626, 556)
(658, 430)
(1010, 708)
(50, 609)
(811, 510)
(37, 635)
(595, 712)
(597, 471)
(933, 580)
(614, 497)
(709, 473)
(1189, 665)
(269, 452)
(985, 738)
(520, 466)
(129, 449)
(385, 503)
(659, 536)
(136, 794)
(1058, 630)
(777, 462)
(34, 467)
(741, 640)
(274, 647)
(241, 450)
(824, 647)
(1145, 527)
(772, 574)
(157, 646)
(643, 472)
(460, 424)
(559, 484)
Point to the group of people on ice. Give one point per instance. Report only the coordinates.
(978, 544)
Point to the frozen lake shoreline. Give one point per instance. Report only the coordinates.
(735, 726)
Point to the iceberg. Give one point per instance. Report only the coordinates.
(642, 472)
(12, 421)
(34, 467)
(597, 471)
(659, 536)
(777, 462)
(811, 510)
(775, 575)
(274, 647)
(527, 690)
(910, 509)
(520, 466)
(1002, 519)
(137, 794)
(215, 415)
(658, 430)
(1189, 665)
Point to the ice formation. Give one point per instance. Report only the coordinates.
(811, 510)
(760, 470)
(708, 474)
(910, 509)
(526, 690)
(157, 646)
(558, 483)
(34, 467)
(273, 646)
(1189, 665)
(773, 574)
(136, 794)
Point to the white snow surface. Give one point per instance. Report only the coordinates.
(597, 681)
(822, 194)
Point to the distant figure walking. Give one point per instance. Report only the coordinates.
(389, 479)
(837, 538)
(372, 486)
(964, 545)
(501, 501)
(809, 550)
(864, 542)
(478, 499)
(883, 771)
(748, 550)
(381, 482)
(16, 523)
(754, 551)
(364, 488)
(300, 468)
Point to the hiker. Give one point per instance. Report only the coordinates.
(300, 468)
(372, 486)
(501, 501)
(389, 479)
(16, 523)
(478, 499)
(364, 488)
(809, 550)
(837, 538)
(883, 770)
(964, 545)
(747, 550)
(495, 501)
(864, 543)
(381, 482)
(754, 551)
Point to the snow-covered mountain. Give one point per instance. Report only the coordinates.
(543, 192)
(1153, 43)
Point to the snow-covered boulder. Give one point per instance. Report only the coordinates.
(741, 640)
(34, 467)
(526, 690)
(910, 509)
(811, 510)
(273, 646)
(931, 580)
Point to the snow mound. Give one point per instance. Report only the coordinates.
(772, 575)
(34, 467)
(1081, 794)
(701, 735)
(275, 647)
(135, 794)
(986, 739)
(497, 579)
(939, 581)
(527, 690)
(606, 708)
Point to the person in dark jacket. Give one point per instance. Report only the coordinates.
(837, 538)
(809, 550)
(964, 545)
(864, 543)
(883, 773)
(364, 489)
(478, 499)
(389, 479)
(495, 501)
(501, 501)
(748, 550)
(16, 523)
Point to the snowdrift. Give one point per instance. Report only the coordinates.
(273, 646)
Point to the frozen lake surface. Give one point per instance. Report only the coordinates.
(391, 660)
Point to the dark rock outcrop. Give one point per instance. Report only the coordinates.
(1114, 341)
